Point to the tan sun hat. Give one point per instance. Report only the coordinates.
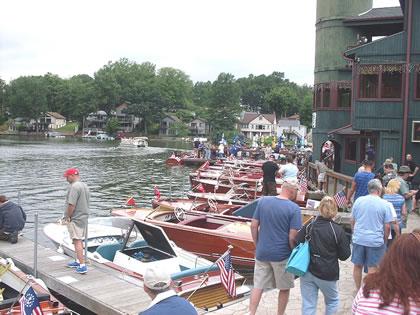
(156, 279)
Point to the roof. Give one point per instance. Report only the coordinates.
(56, 115)
(200, 119)
(345, 130)
(378, 14)
(250, 116)
(173, 117)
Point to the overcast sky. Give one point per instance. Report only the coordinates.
(200, 37)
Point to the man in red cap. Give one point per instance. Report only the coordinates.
(76, 216)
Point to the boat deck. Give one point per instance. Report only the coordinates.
(101, 290)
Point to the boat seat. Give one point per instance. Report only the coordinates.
(193, 219)
(138, 243)
(108, 251)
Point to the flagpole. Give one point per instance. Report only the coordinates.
(230, 247)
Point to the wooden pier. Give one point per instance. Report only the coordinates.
(102, 290)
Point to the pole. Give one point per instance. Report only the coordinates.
(86, 242)
(36, 246)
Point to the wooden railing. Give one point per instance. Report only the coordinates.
(335, 181)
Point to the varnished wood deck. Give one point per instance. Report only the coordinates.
(101, 290)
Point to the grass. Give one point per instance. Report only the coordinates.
(69, 127)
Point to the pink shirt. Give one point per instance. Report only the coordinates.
(370, 305)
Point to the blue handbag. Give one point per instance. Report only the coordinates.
(298, 261)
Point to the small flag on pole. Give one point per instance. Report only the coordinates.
(303, 184)
(341, 199)
(227, 275)
(130, 202)
(157, 192)
(29, 303)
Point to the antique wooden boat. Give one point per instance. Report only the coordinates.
(219, 198)
(186, 204)
(173, 160)
(14, 281)
(145, 245)
(206, 235)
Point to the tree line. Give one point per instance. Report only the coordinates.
(151, 93)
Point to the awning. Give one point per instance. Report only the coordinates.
(345, 130)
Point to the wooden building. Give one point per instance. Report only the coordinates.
(367, 90)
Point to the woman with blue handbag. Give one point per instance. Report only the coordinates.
(327, 244)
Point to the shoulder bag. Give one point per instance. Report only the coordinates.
(298, 262)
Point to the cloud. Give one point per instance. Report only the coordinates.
(202, 38)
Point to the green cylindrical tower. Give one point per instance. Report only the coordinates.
(333, 38)
(332, 75)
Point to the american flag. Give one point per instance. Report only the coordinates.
(227, 275)
(29, 303)
(341, 199)
(303, 184)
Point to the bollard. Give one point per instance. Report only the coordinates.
(36, 246)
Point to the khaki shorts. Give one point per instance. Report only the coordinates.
(272, 274)
(76, 231)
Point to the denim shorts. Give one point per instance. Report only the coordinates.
(368, 256)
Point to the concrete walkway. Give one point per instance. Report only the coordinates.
(268, 304)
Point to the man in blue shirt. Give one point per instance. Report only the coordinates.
(371, 216)
(274, 227)
(360, 181)
(157, 285)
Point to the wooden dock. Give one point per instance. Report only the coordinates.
(102, 290)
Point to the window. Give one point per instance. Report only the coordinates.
(318, 97)
(391, 83)
(344, 96)
(368, 87)
(326, 96)
(351, 145)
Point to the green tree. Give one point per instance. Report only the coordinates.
(224, 107)
(2, 101)
(179, 128)
(27, 97)
(282, 100)
(112, 125)
(175, 89)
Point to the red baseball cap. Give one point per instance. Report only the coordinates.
(71, 171)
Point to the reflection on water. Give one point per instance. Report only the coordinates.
(34, 170)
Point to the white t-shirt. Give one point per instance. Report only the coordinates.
(289, 171)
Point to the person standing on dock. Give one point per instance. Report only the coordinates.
(274, 228)
(360, 181)
(371, 218)
(157, 285)
(76, 216)
(270, 169)
(12, 220)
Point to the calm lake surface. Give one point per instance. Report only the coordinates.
(31, 172)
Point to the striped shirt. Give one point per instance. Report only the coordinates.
(370, 305)
(397, 201)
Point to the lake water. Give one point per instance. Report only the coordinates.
(31, 172)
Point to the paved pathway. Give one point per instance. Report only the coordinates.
(268, 304)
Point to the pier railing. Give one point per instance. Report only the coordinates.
(335, 181)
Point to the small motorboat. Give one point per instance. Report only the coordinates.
(137, 142)
(130, 246)
(173, 160)
(14, 283)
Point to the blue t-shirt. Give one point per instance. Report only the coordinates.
(174, 305)
(371, 213)
(276, 217)
(362, 179)
(397, 201)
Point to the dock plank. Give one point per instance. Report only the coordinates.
(101, 290)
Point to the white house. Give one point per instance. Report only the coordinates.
(128, 122)
(255, 124)
(291, 127)
(55, 120)
(166, 125)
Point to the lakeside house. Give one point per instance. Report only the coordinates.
(167, 125)
(45, 122)
(199, 127)
(292, 128)
(253, 124)
(128, 122)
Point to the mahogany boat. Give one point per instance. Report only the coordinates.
(173, 160)
(206, 235)
(207, 205)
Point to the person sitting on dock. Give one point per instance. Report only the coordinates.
(76, 216)
(157, 285)
(12, 220)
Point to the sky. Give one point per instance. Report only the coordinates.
(200, 37)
